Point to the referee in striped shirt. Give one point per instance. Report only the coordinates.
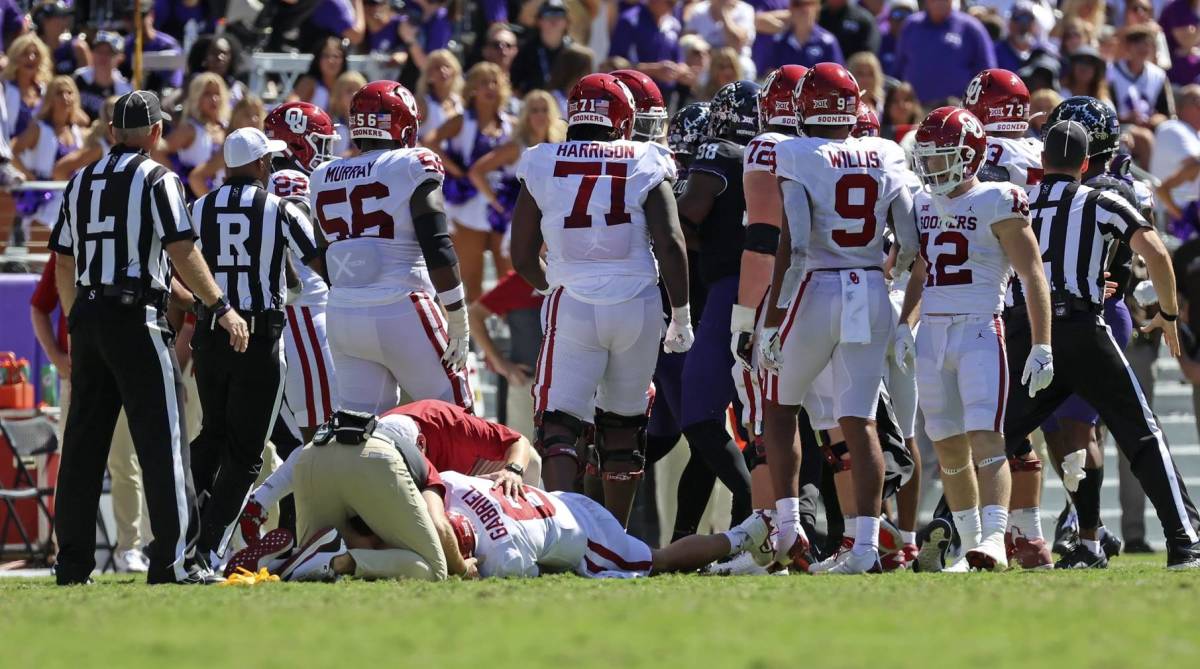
(245, 233)
(1076, 227)
(122, 217)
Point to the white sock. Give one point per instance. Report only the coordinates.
(908, 537)
(866, 535)
(994, 519)
(1027, 521)
(969, 527)
(279, 484)
(1093, 546)
(788, 510)
(849, 526)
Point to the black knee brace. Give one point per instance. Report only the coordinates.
(559, 445)
(636, 456)
(756, 453)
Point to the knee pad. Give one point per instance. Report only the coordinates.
(988, 462)
(838, 456)
(635, 457)
(557, 445)
(1028, 462)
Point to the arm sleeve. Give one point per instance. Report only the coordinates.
(904, 222)
(299, 232)
(799, 220)
(172, 221)
(45, 294)
(1117, 218)
(62, 238)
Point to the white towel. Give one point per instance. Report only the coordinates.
(856, 317)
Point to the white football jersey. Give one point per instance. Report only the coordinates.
(760, 152)
(1020, 160)
(592, 197)
(516, 538)
(293, 184)
(967, 268)
(851, 185)
(362, 206)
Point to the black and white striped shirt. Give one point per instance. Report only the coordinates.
(245, 232)
(117, 216)
(1076, 226)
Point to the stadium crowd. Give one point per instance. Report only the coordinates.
(493, 79)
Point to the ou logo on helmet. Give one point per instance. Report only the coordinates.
(974, 89)
(970, 124)
(296, 121)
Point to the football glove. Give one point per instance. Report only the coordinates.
(769, 354)
(455, 356)
(903, 346)
(1073, 469)
(679, 333)
(1039, 368)
(741, 326)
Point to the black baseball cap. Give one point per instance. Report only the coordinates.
(1065, 144)
(138, 109)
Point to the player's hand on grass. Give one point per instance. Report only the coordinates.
(472, 569)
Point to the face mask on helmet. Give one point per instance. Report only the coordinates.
(649, 126)
(941, 168)
(322, 146)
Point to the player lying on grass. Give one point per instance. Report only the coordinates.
(525, 536)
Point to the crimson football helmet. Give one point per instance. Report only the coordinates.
(868, 121)
(463, 531)
(384, 110)
(308, 131)
(601, 99)
(650, 111)
(950, 144)
(827, 95)
(1000, 100)
(776, 105)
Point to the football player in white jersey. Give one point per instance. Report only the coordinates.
(389, 255)
(837, 193)
(1000, 100)
(310, 385)
(541, 532)
(604, 209)
(973, 234)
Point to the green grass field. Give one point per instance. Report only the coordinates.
(1136, 614)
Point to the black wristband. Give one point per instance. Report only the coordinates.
(220, 307)
(1170, 318)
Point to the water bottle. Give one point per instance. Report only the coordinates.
(50, 385)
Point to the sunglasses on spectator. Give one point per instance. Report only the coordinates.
(900, 13)
(503, 46)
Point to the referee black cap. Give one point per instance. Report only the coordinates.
(1065, 145)
(138, 110)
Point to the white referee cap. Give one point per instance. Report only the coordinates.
(247, 145)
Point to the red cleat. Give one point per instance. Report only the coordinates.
(1031, 553)
(251, 521)
(901, 559)
(275, 543)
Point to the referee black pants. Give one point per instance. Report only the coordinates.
(123, 356)
(1088, 362)
(240, 394)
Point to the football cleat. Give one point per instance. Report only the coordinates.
(1029, 553)
(989, 555)
(251, 521)
(934, 540)
(890, 539)
(1066, 531)
(759, 544)
(799, 555)
(832, 561)
(1081, 557)
(866, 562)
(274, 544)
(742, 564)
(314, 560)
(959, 566)
(904, 558)
(1183, 557)
(1110, 542)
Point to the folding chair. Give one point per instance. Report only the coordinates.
(25, 439)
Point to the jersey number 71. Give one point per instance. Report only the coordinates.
(590, 173)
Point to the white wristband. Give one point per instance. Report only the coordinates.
(742, 319)
(455, 294)
(682, 314)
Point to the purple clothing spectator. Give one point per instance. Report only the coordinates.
(940, 59)
(1185, 68)
(172, 16)
(764, 44)
(64, 58)
(642, 38)
(821, 47)
(12, 20)
(158, 79)
(334, 17)
(439, 28)
(494, 11)
(386, 39)
(1010, 59)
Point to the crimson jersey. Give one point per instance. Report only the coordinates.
(362, 206)
(455, 439)
(968, 270)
